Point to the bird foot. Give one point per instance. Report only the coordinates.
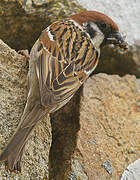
(25, 53)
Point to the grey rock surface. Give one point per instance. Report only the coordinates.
(132, 172)
(126, 13)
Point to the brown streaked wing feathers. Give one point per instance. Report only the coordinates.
(63, 69)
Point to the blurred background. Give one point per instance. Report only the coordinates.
(126, 13)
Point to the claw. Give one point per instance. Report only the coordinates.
(25, 53)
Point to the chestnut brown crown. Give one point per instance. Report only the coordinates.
(93, 16)
(105, 24)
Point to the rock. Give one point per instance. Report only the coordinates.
(54, 10)
(94, 139)
(13, 93)
(22, 21)
(65, 126)
(107, 165)
(108, 139)
(132, 172)
(104, 138)
(112, 61)
(138, 84)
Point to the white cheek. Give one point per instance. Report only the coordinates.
(98, 39)
(99, 36)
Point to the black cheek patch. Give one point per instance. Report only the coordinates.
(91, 31)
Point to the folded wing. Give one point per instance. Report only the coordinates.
(66, 56)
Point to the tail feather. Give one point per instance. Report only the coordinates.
(12, 154)
(16, 143)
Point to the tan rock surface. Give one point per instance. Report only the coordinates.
(13, 92)
(109, 136)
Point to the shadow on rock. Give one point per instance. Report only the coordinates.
(65, 126)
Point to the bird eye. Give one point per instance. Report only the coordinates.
(103, 25)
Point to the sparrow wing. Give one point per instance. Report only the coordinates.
(65, 58)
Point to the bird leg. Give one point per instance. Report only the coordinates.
(25, 53)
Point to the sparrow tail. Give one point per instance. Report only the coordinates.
(12, 154)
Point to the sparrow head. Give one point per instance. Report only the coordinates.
(102, 29)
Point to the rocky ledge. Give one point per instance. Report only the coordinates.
(96, 135)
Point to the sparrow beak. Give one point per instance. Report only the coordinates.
(116, 39)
